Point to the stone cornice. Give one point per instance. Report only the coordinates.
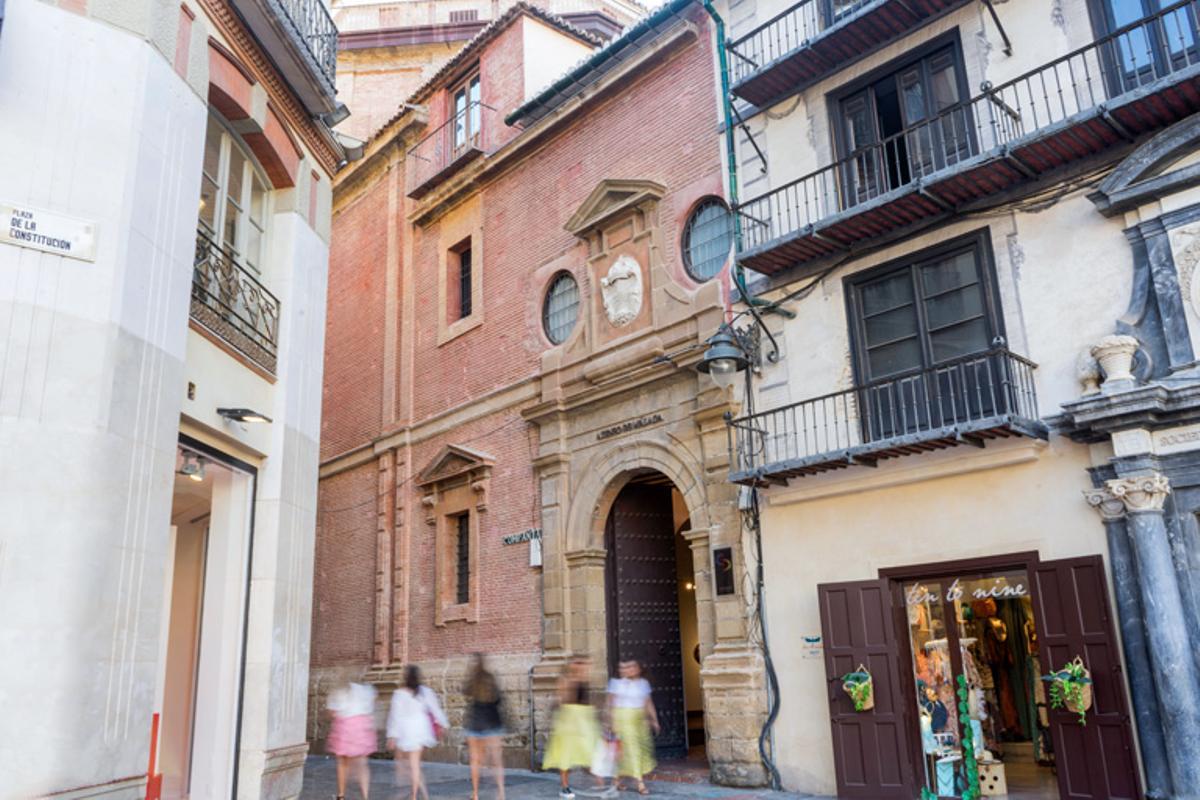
(1158, 405)
(241, 42)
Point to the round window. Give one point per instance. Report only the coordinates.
(707, 238)
(561, 308)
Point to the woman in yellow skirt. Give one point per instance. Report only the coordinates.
(633, 716)
(575, 733)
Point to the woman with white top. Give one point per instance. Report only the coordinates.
(633, 716)
(415, 721)
(352, 734)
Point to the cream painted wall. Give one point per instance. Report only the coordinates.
(549, 53)
(1035, 504)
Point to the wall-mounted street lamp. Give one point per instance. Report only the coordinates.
(724, 358)
(242, 415)
(732, 350)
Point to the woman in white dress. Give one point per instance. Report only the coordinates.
(415, 721)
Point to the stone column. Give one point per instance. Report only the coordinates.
(1174, 669)
(1133, 637)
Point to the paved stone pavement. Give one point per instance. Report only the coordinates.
(454, 781)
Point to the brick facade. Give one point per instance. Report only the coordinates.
(479, 383)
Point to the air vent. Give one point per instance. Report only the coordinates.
(468, 15)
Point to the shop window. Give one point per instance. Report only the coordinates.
(707, 239)
(980, 628)
(560, 310)
(233, 197)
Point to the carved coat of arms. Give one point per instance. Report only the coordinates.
(621, 290)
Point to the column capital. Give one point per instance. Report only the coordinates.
(1141, 492)
(1107, 504)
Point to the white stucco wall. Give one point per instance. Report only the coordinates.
(549, 53)
(95, 360)
(93, 124)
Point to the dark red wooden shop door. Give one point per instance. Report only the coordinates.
(1096, 760)
(643, 603)
(871, 749)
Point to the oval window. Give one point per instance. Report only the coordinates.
(707, 238)
(561, 307)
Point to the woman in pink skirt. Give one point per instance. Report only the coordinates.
(352, 737)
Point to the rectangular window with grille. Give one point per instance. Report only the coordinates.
(463, 558)
(464, 283)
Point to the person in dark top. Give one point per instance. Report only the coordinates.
(575, 733)
(484, 724)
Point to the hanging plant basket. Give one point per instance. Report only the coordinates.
(861, 688)
(1071, 688)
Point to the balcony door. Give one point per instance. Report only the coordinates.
(467, 117)
(922, 330)
(1147, 44)
(903, 126)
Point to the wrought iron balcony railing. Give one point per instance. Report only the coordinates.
(451, 146)
(794, 49)
(968, 400)
(1142, 77)
(313, 27)
(230, 303)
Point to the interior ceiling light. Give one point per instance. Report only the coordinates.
(192, 467)
(243, 415)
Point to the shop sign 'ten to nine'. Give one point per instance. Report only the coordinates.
(47, 231)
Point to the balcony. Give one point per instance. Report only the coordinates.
(469, 134)
(815, 38)
(1077, 111)
(302, 41)
(970, 400)
(229, 303)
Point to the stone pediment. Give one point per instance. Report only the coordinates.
(610, 198)
(453, 461)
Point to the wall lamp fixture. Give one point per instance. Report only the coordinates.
(242, 415)
(731, 350)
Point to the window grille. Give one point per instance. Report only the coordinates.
(463, 559)
(707, 239)
(560, 310)
(464, 283)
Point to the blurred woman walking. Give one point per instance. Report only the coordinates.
(352, 734)
(575, 733)
(484, 725)
(415, 721)
(633, 716)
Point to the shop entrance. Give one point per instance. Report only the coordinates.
(205, 608)
(955, 653)
(651, 608)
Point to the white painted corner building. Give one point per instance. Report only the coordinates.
(165, 173)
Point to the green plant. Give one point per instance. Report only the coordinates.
(1069, 687)
(858, 685)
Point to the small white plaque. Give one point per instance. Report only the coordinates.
(47, 231)
(1177, 440)
(812, 647)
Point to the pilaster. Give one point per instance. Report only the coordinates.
(1133, 637)
(1174, 669)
